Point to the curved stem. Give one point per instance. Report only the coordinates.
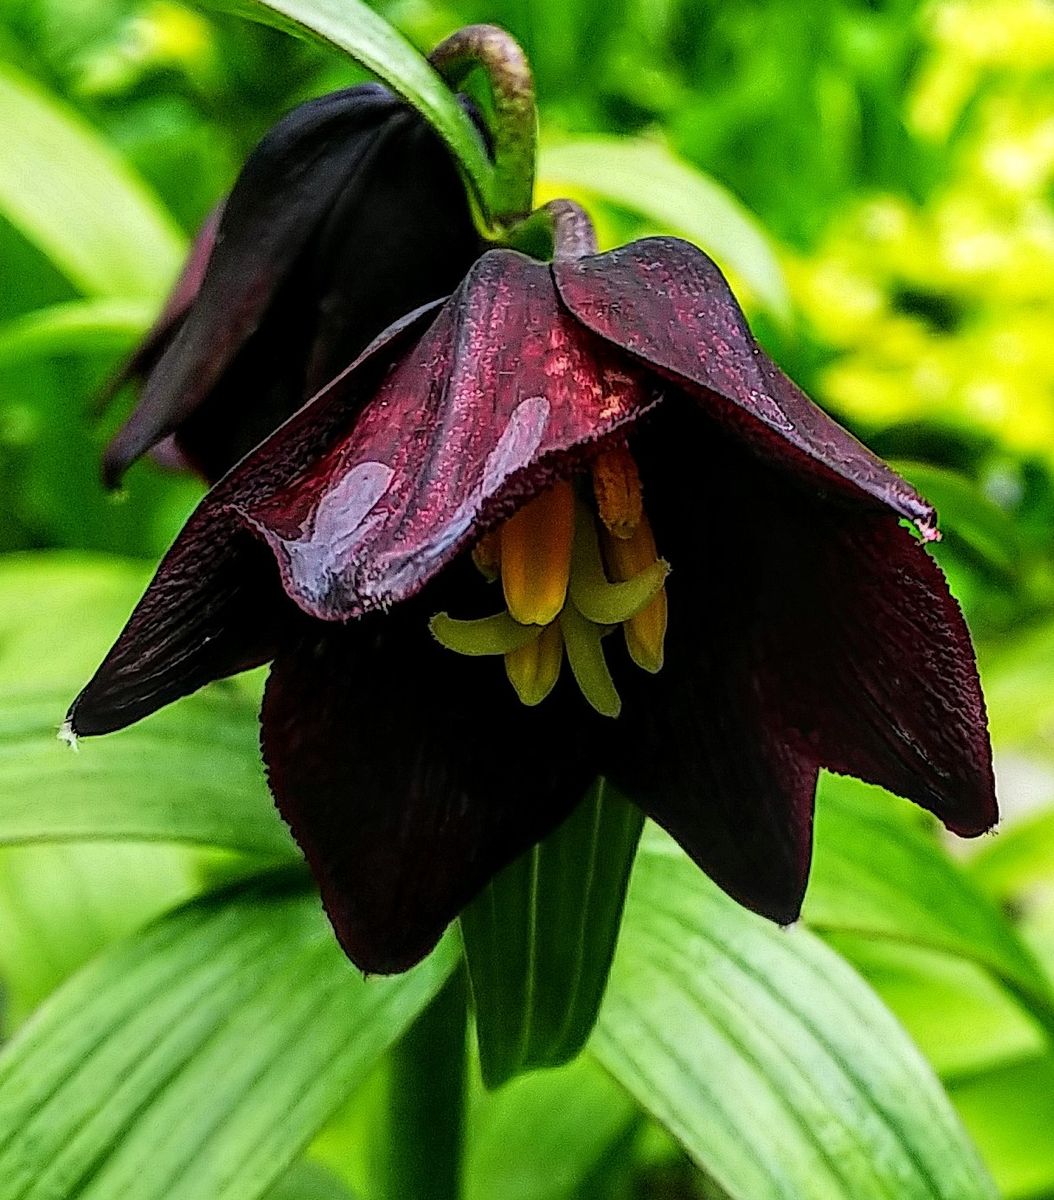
(515, 125)
(427, 1100)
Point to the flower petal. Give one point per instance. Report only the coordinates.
(884, 679)
(400, 238)
(704, 746)
(285, 188)
(503, 395)
(178, 303)
(667, 304)
(400, 234)
(840, 626)
(408, 778)
(215, 605)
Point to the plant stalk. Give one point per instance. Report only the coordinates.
(426, 1106)
(514, 123)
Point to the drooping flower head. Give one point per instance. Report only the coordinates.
(556, 426)
(347, 215)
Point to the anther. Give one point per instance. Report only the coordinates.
(536, 555)
(533, 669)
(486, 554)
(616, 486)
(646, 631)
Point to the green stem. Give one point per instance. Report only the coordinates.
(515, 123)
(426, 1105)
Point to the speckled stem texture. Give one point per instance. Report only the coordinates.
(515, 131)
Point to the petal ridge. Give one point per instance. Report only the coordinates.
(665, 302)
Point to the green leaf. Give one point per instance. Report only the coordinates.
(955, 1012)
(651, 180)
(308, 1181)
(1019, 859)
(539, 939)
(108, 325)
(74, 197)
(352, 1144)
(1020, 699)
(355, 28)
(878, 873)
(1010, 1113)
(542, 1136)
(191, 773)
(59, 612)
(765, 1054)
(198, 1058)
(60, 905)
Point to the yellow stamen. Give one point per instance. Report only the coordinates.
(486, 554)
(536, 555)
(646, 631)
(616, 486)
(534, 669)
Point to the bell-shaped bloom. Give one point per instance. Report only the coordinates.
(554, 423)
(348, 214)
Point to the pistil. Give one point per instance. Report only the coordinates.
(573, 567)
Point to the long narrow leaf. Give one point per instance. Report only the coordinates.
(539, 939)
(61, 904)
(768, 1057)
(70, 194)
(1010, 1111)
(542, 1136)
(877, 874)
(82, 326)
(370, 40)
(199, 1058)
(189, 774)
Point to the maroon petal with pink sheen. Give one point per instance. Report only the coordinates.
(215, 605)
(666, 303)
(505, 393)
(407, 780)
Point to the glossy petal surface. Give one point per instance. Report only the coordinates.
(407, 780)
(666, 303)
(504, 394)
(215, 605)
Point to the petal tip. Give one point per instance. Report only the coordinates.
(68, 734)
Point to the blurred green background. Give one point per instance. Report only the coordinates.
(876, 177)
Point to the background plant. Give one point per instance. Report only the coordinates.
(877, 180)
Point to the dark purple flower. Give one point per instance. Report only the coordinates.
(548, 418)
(347, 215)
